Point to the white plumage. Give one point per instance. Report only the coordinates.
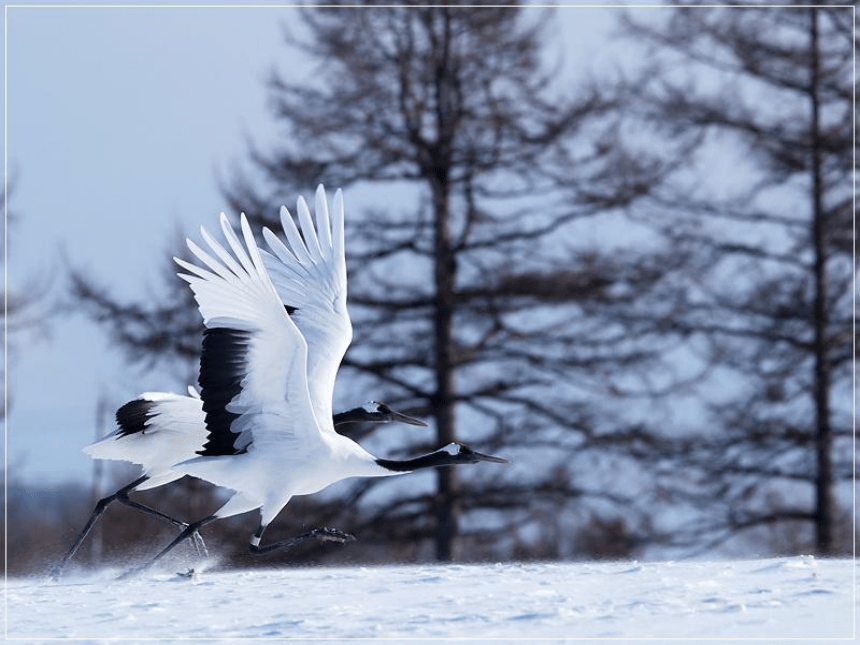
(312, 271)
(160, 429)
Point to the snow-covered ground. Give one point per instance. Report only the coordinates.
(790, 598)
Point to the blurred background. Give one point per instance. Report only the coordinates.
(613, 245)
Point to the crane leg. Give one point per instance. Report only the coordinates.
(121, 496)
(323, 535)
(101, 505)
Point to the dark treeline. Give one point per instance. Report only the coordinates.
(678, 378)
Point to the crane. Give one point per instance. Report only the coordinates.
(159, 429)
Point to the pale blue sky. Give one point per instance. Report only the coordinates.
(118, 121)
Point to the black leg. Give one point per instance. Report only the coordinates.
(121, 494)
(323, 535)
(150, 511)
(189, 530)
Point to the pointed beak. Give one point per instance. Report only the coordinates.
(482, 457)
(403, 418)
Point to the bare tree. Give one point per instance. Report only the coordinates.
(771, 269)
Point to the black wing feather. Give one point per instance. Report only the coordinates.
(132, 417)
(223, 365)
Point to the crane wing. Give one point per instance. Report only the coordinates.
(253, 367)
(309, 274)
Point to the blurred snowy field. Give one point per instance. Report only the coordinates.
(799, 598)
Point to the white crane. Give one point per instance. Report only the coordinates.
(266, 438)
(160, 429)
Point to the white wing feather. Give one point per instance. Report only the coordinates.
(310, 276)
(235, 292)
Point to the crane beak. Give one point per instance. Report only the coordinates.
(403, 418)
(482, 457)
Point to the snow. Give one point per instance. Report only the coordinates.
(801, 598)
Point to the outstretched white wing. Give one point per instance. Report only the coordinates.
(253, 367)
(309, 274)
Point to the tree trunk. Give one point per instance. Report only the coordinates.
(443, 398)
(824, 476)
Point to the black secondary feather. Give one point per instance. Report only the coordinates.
(132, 416)
(223, 365)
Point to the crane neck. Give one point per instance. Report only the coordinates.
(444, 457)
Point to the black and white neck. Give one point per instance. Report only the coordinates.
(451, 455)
